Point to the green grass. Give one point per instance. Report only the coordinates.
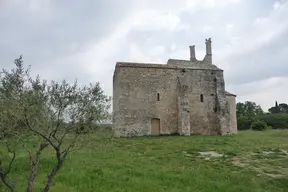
(251, 162)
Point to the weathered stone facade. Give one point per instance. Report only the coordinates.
(182, 96)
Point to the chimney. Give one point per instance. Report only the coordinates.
(208, 56)
(208, 46)
(192, 53)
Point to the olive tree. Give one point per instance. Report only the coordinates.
(58, 114)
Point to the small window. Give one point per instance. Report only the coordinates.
(158, 97)
(201, 98)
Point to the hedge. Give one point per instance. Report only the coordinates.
(276, 121)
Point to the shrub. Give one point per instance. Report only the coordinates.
(269, 127)
(244, 122)
(277, 121)
(258, 125)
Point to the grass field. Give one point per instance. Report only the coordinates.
(251, 162)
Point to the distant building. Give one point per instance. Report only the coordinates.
(182, 96)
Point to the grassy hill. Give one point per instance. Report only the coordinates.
(247, 162)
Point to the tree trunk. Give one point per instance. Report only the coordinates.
(52, 174)
(32, 174)
(34, 167)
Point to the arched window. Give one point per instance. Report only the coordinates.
(158, 97)
(201, 98)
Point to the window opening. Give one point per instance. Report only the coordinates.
(201, 98)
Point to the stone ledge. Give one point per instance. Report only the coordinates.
(229, 94)
(165, 66)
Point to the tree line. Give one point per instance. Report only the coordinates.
(251, 116)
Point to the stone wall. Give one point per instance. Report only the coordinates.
(184, 122)
(135, 89)
(135, 98)
(232, 103)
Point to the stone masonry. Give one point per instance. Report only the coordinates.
(182, 96)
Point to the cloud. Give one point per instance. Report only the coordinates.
(276, 5)
(229, 27)
(260, 95)
(260, 52)
(85, 39)
(207, 29)
(31, 10)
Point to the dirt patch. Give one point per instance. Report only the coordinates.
(277, 152)
(262, 163)
(267, 152)
(284, 151)
(207, 154)
(185, 153)
(211, 154)
(238, 162)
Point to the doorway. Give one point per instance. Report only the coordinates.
(155, 126)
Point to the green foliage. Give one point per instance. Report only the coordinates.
(244, 122)
(58, 114)
(274, 110)
(258, 125)
(281, 108)
(276, 121)
(248, 109)
(248, 112)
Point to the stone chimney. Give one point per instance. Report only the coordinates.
(208, 56)
(192, 53)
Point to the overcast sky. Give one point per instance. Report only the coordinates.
(84, 39)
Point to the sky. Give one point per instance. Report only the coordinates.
(83, 40)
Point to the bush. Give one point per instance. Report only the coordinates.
(273, 121)
(277, 121)
(244, 123)
(258, 125)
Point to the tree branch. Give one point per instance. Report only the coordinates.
(3, 174)
(38, 133)
(54, 131)
(12, 160)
